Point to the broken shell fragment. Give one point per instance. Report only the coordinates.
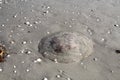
(2, 53)
(66, 47)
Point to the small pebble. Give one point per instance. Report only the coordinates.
(58, 76)
(69, 79)
(10, 36)
(26, 18)
(28, 52)
(112, 71)
(60, 71)
(98, 20)
(27, 23)
(15, 16)
(14, 66)
(18, 26)
(38, 60)
(89, 31)
(35, 22)
(32, 10)
(22, 51)
(24, 42)
(23, 62)
(117, 51)
(2, 25)
(48, 7)
(116, 25)
(27, 70)
(47, 12)
(1, 69)
(48, 32)
(95, 59)
(15, 71)
(55, 60)
(45, 78)
(11, 31)
(8, 55)
(102, 39)
(12, 42)
(30, 25)
(81, 63)
(0, 2)
(109, 32)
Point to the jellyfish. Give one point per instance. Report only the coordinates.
(66, 46)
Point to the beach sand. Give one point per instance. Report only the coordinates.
(23, 23)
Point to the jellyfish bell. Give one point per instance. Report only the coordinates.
(66, 47)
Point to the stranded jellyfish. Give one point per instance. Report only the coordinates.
(66, 47)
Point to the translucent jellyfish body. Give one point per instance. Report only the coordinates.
(66, 47)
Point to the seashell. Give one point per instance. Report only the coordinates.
(3, 53)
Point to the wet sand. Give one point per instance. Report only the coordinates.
(23, 23)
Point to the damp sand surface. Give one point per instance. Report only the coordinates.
(24, 23)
